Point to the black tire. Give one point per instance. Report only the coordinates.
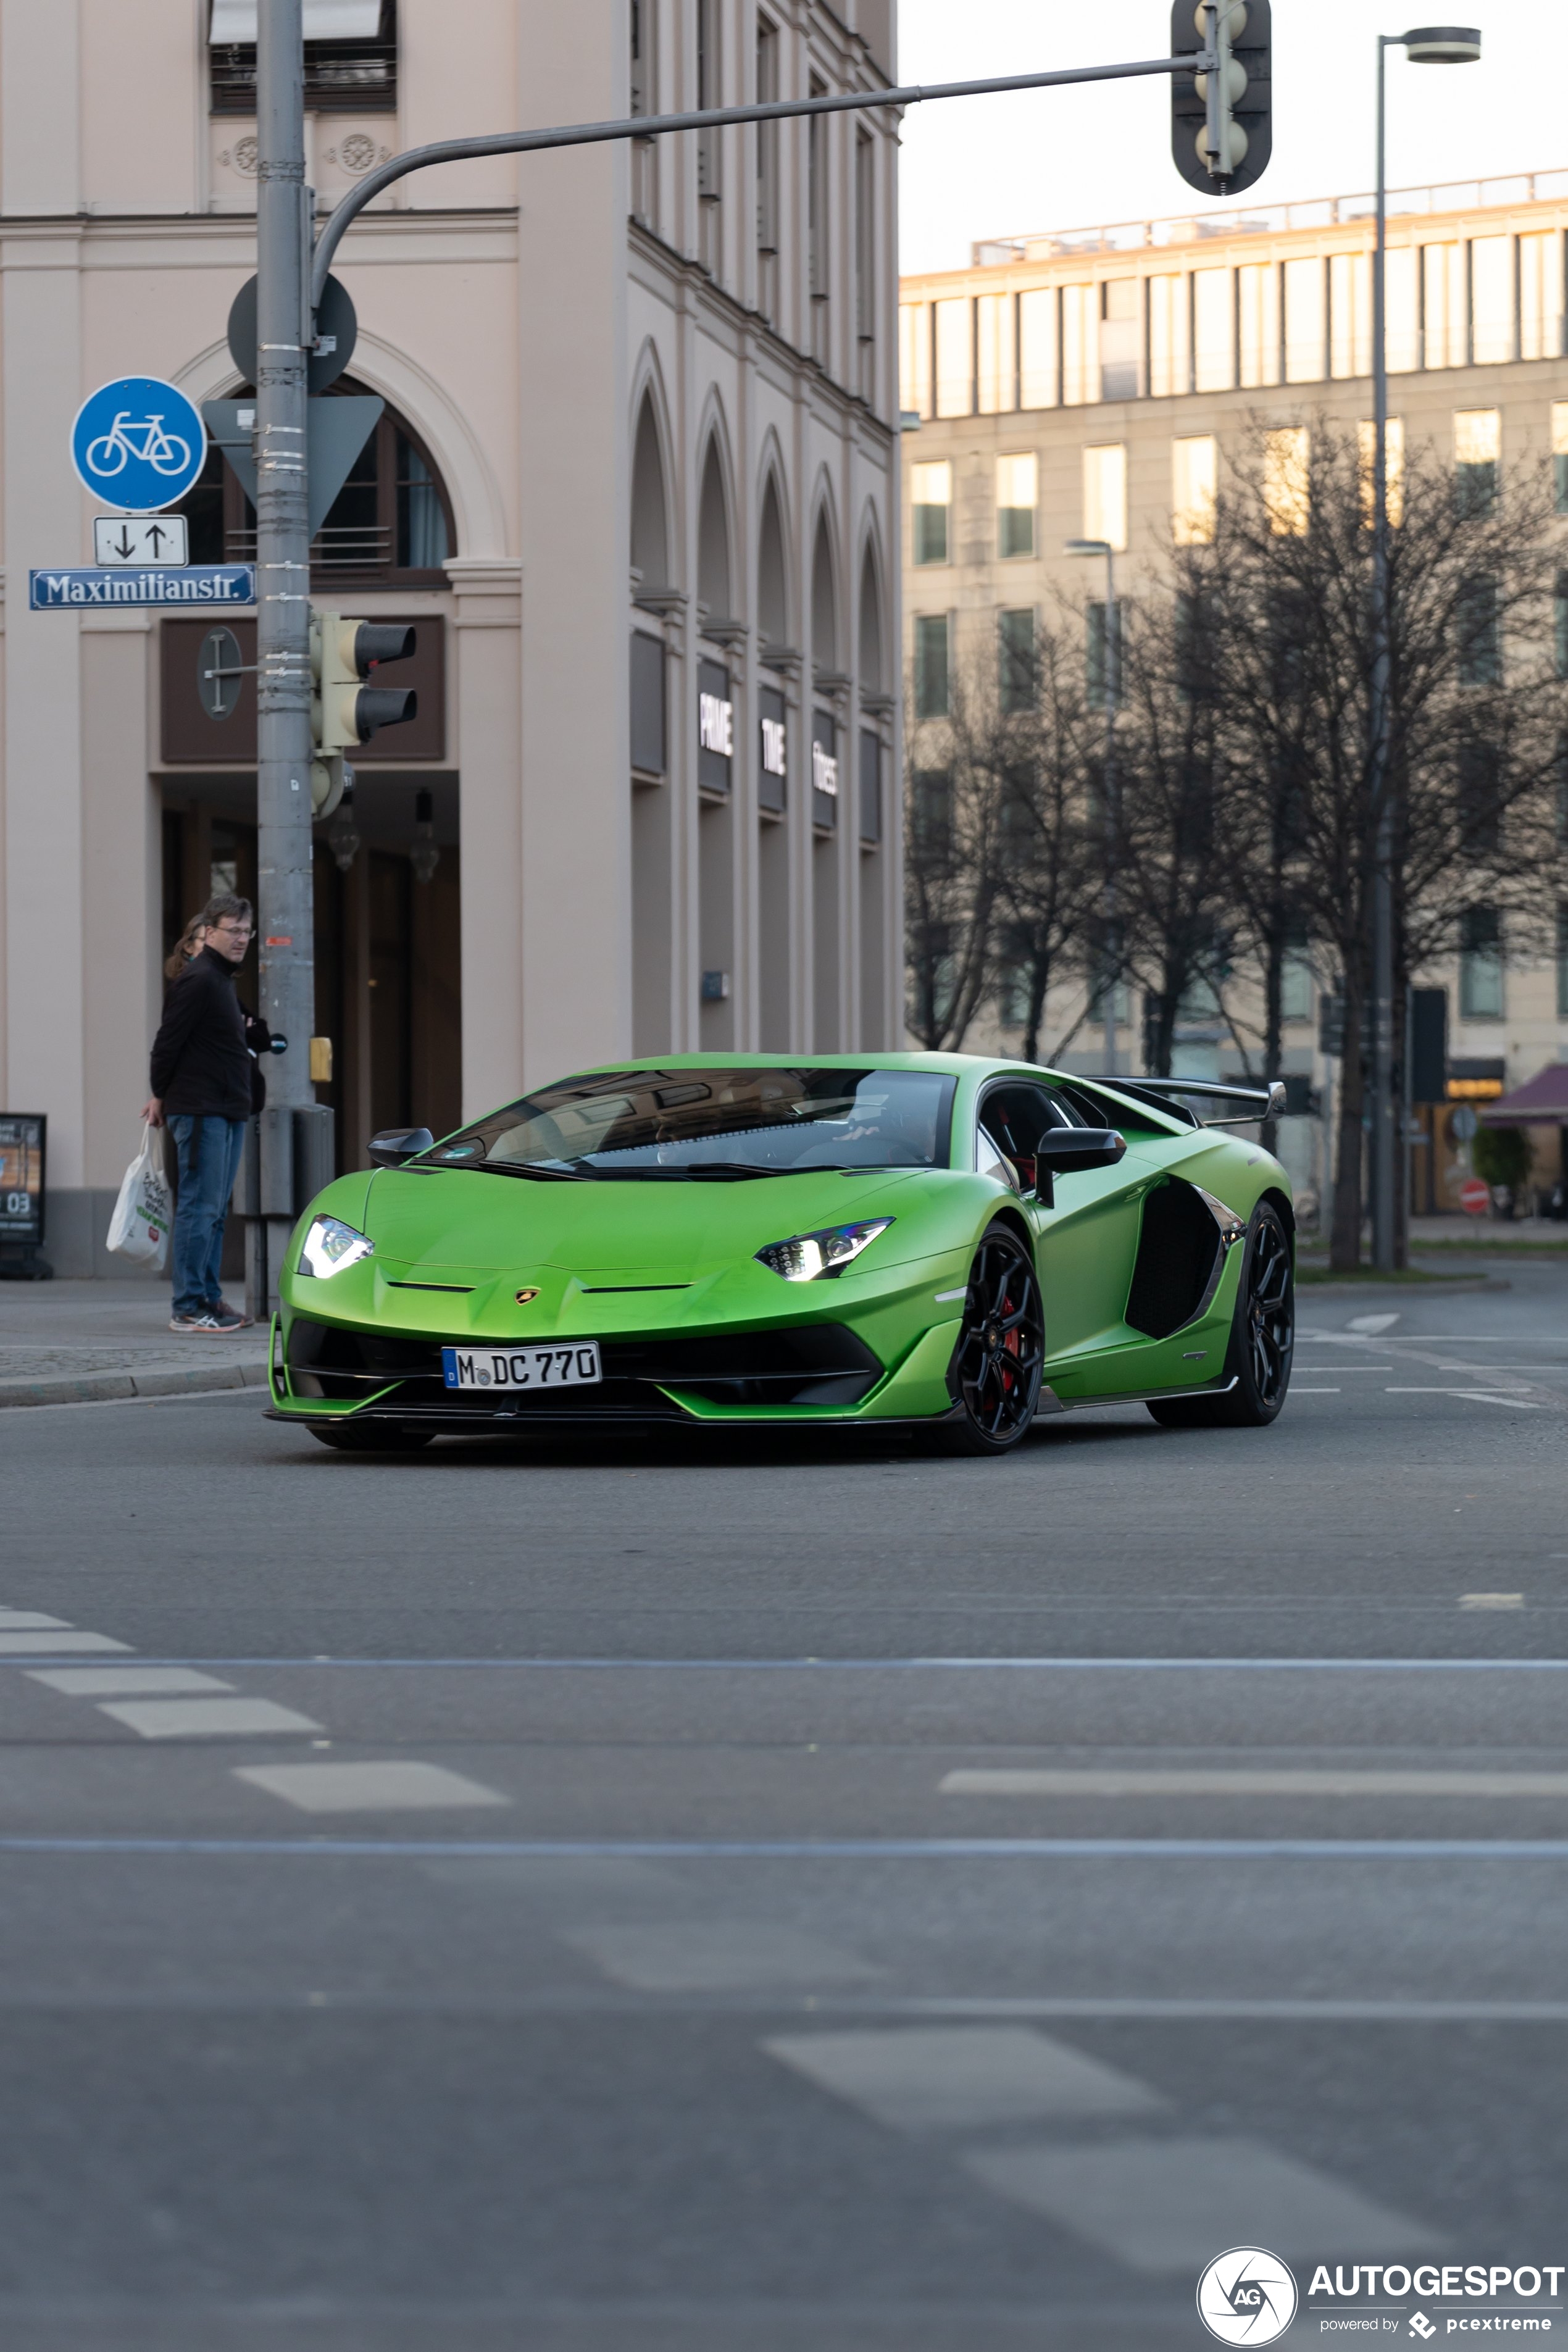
(370, 1437)
(1262, 1339)
(1001, 1347)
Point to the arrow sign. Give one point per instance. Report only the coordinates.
(336, 430)
(164, 540)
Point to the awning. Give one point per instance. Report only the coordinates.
(325, 20)
(1542, 1101)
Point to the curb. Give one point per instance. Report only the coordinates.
(104, 1387)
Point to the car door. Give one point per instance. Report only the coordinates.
(1086, 1237)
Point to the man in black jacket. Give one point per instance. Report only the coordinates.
(203, 1088)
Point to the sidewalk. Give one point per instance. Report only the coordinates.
(1489, 1233)
(82, 1342)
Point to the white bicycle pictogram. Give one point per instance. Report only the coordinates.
(164, 451)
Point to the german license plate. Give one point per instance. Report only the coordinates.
(576, 1366)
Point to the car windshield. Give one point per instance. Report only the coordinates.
(717, 1122)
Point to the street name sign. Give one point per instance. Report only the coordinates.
(157, 539)
(71, 591)
(138, 444)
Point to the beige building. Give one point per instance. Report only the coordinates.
(634, 486)
(1083, 384)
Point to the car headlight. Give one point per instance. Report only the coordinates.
(806, 1257)
(329, 1245)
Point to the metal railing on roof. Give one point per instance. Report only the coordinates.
(1266, 220)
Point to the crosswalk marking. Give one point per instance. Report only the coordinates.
(376, 1788)
(123, 1682)
(716, 1955)
(936, 2077)
(54, 1645)
(206, 1718)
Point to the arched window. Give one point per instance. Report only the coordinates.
(713, 542)
(823, 602)
(650, 523)
(390, 522)
(870, 627)
(772, 580)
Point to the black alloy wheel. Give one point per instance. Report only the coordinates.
(1001, 1347)
(372, 1438)
(1262, 1339)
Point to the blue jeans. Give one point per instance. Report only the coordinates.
(201, 1210)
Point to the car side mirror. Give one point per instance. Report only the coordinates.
(394, 1146)
(1068, 1150)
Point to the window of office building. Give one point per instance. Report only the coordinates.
(1017, 491)
(1541, 296)
(1393, 469)
(1258, 307)
(1477, 456)
(1105, 493)
(914, 359)
(932, 485)
(1562, 962)
(1287, 481)
(1296, 980)
(1037, 351)
(1170, 337)
(1016, 660)
(1447, 337)
(931, 815)
(1194, 488)
(1491, 300)
(709, 93)
(1350, 313)
(351, 56)
(1402, 301)
(997, 360)
(1305, 322)
(1479, 632)
(1480, 965)
(1476, 800)
(954, 357)
(767, 138)
(865, 238)
(1214, 330)
(1080, 345)
(1103, 652)
(1560, 452)
(934, 637)
(1121, 338)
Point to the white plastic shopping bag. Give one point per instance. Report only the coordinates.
(138, 1228)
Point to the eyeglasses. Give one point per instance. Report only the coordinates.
(235, 931)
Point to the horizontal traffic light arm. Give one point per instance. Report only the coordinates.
(712, 118)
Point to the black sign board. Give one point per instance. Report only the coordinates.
(715, 726)
(22, 1142)
(823, 770)
(773, 767)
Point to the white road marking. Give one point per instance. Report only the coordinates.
(953, 2077)
(206, 1718)
(388, 1788)
(1472, 1396)
(123, 1682)
(54, 1645)
(1297, 1390)
(16, 1620)
(1342, 1368)
(1161, 2205)
(716, 1955)
(1368, 1325)
(1491, 1600)
(1247, 1781)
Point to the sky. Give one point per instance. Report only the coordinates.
(1049, 158)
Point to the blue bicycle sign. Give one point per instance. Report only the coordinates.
(138, 444)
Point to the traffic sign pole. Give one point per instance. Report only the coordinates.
(283, 620)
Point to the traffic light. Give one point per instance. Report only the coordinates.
(344, 711)
(1222, 130)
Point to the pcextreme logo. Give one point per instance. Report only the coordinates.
(1247, 2296)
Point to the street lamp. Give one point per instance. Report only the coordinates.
(1112, 684)
(1428, 45)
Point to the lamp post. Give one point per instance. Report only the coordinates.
(1112, 684)
(1428, 45)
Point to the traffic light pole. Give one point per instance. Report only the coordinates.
(283, 621)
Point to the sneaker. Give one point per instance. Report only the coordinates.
(205, 1324)
(227, 1317)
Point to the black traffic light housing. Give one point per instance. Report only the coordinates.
(1249, 24)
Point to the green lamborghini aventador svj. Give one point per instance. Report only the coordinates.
(923, 1238)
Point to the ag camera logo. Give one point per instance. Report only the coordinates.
(1247, 2296)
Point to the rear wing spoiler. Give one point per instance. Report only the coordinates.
(1169, 1095)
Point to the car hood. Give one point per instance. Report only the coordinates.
(469, 1219)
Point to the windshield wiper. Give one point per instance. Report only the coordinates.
(725, 1171)
(513, 1168)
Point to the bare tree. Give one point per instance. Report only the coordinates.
(1044, 745)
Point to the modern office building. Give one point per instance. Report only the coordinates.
(1085, 385)
(634, 486)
